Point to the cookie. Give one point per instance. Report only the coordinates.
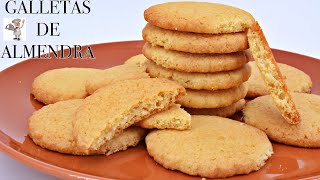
(195, 43)
(117, 73)
(295, 79)
(51, 128)
(173, 118)
(213, 99)
(207, 81)
(62, 84)
(199, 17)
(223, 111)
(271, 74)
(215, 147)
(188, 62)
(115, 107)
(138, 60)
(263, 114)
(130, 137)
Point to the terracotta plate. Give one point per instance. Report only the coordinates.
(17, 105)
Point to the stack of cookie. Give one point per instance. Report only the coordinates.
(201, 46)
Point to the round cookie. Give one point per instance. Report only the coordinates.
(215, 147)
(195, 43)
(51, 128)
(223, 111)
(114, 74)
(207, 81)
(213, 99)
(138, 60)
(62, 84)
(188, 62)
(296, 80)
(199, 17)
(263, 114)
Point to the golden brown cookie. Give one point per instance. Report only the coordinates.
(51, 128)
(213, 99)
(138, 60)
(195, 43)
(173, 118)
(188, 62)
(130, 137)
(113, 108)
(215, 147)
(263, 114)
(223, 111)
(296, 80)
(62, 84)
(199, 17)
(207, 81)
(271, 74)
(116, 73)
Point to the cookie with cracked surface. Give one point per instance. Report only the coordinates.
(208, 150)
(51, 128)
(115, 107)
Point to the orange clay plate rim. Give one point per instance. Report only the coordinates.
(18, 105)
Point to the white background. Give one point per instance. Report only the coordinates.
(290, 25)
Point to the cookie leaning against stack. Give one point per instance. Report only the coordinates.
(201, 46)
(271, 74)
